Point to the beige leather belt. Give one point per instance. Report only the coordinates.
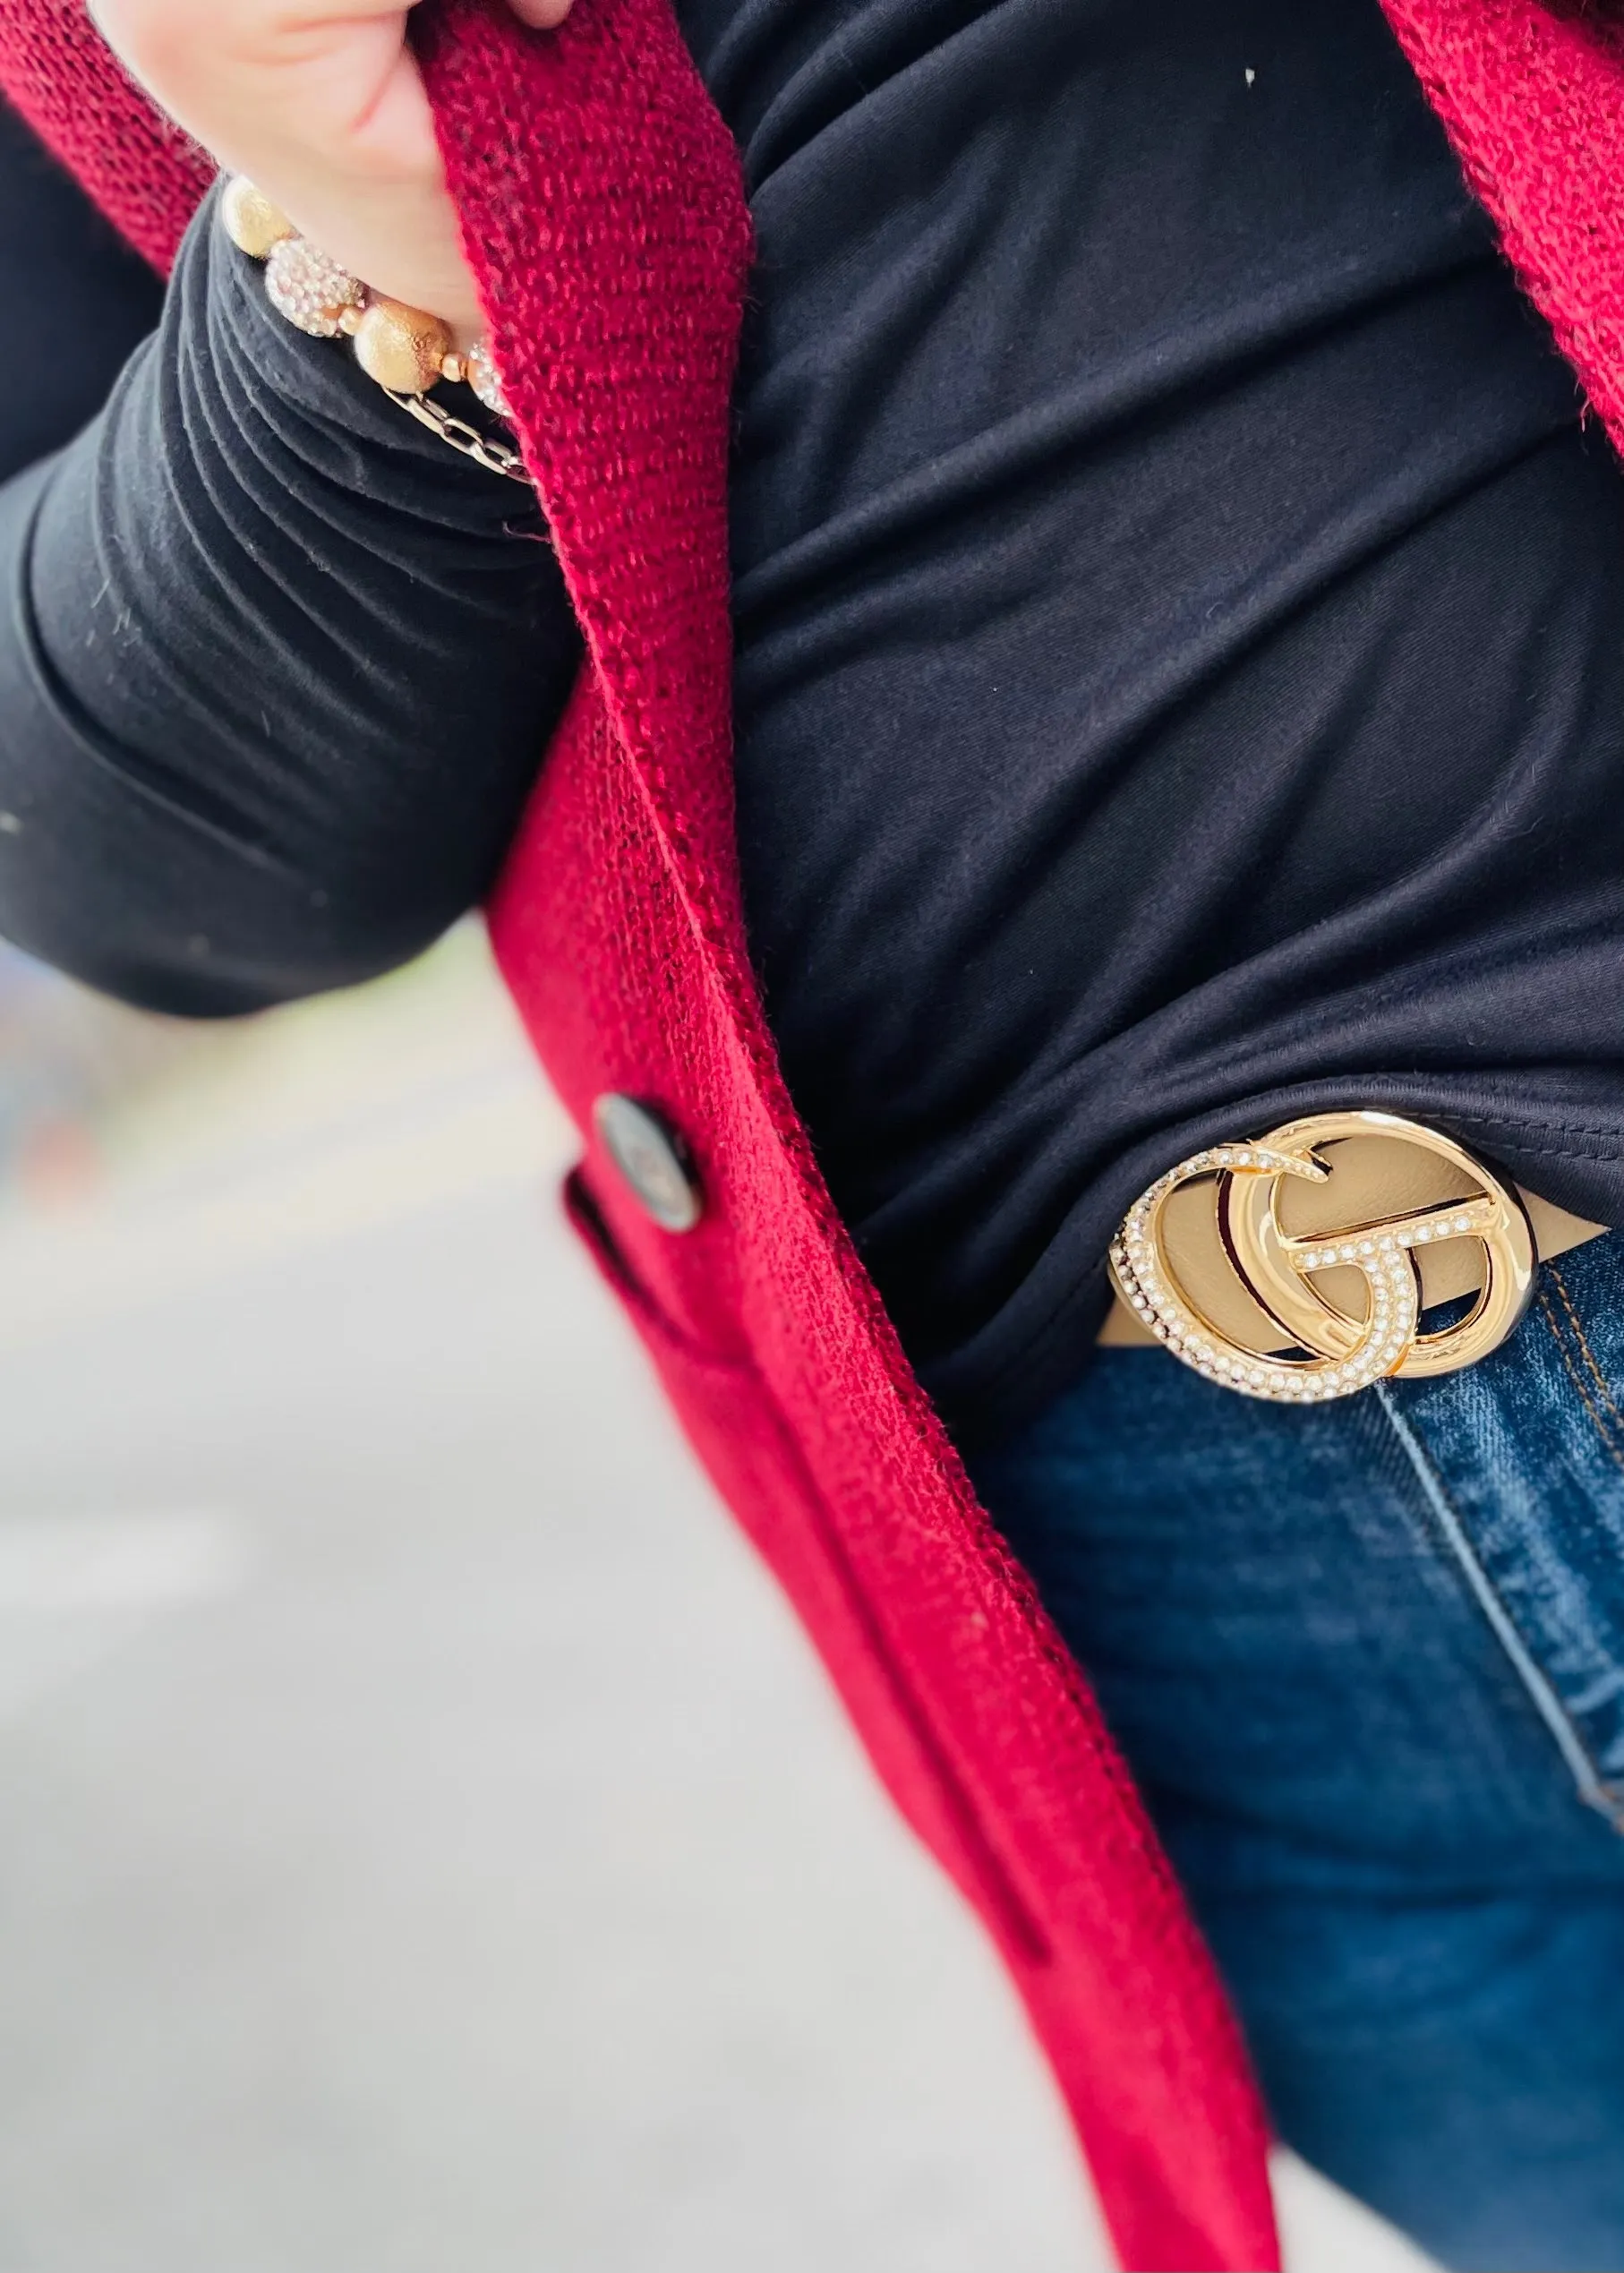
(1296, 1266)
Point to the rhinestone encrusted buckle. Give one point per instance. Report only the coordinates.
(1332, 1351)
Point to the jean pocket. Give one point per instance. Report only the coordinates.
(1522, 1459)
(1580, 1303)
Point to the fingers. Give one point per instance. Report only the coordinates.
(321, 103)
(268, 68)
(326, 113)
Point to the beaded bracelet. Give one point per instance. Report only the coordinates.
(405, 350)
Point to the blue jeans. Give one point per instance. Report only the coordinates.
(1368, 1662)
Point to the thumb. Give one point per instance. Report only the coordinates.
(541, 15)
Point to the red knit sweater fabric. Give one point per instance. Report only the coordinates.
(603, 215)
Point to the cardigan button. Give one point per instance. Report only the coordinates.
(652, 1158)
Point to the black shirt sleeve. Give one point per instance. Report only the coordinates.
(276, 667)
(89, 300)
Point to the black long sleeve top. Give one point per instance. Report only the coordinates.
(243, 753)
(1180, 623)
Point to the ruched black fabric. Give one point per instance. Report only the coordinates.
(1180, 643)
(275, 669)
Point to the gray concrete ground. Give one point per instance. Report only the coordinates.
(429, 1847)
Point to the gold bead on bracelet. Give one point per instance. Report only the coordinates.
(253, 223)
(402, 348)
(405, 349)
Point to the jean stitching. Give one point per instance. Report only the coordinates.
(1591, 1787)
(1600, 1379)
(1585, 1399)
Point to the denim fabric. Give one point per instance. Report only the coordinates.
(1368, 1662)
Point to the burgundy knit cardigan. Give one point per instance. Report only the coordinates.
(603, 215)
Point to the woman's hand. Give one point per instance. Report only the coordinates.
(321, 103)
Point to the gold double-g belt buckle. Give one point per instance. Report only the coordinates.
(1347, 1301)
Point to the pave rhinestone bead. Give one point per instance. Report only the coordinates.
(310, 289)
(482, 376)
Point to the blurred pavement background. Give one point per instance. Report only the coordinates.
(429, 1846)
